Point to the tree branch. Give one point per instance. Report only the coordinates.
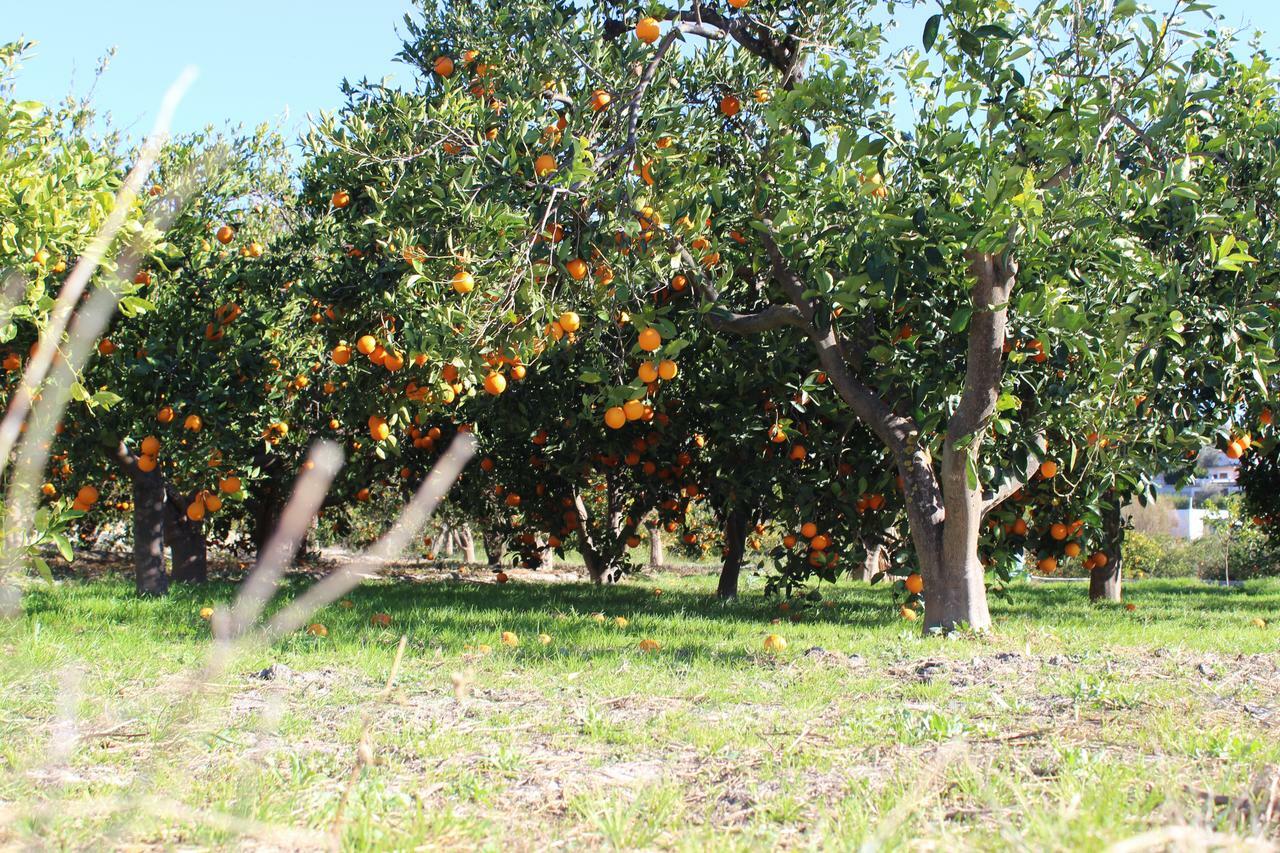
(1011, 486)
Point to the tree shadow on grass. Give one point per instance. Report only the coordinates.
(460, 611)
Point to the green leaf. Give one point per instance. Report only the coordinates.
(64, 547)
(931, 31)
(960, 320)
(42, 567)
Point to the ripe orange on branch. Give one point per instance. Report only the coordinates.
(463, 282)
(544, 165)
(650, 339)
(495, 383)
(647, 30)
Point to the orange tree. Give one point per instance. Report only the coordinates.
(1025, 198)
(205, 378)
(58, 191)
(557, 158)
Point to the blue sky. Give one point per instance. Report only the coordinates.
(268, 60)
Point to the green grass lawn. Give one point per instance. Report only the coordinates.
(1071, 727)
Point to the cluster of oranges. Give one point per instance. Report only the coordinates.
(649, 340)
(224, 316)
(818, 544)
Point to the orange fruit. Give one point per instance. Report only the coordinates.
(739, 4)
(106, 347)
(667, 369)
(193, 423)
(730, 105)
(798, 452)
(600, 100)
(615, 417)
(774, 643)
(165, 415)
(341, 354)
(1048, 469)
(146, 463)
(647, 30)
(340, 199)
(362, 495)
(366, 344)
(463, 282)
(1234, 450)
(1048, 565)
(229, 485)
(1099, 559)
(544, 165)
(578, 270)
(1072, 549)
(150, 446)
(914, 583)
(1058, 531)
(570, 321)
(650, 339)
(379, 430)
(648, 372)
(495, 383)
(808, 530)
(195, 510)
(212, 502)
(633, 409)
(443, 66)
(820, 542)
(225, 234)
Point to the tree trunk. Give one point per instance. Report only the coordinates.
(495, 548)
(468, 540)
(188, 551)
(735, 542)
(955, 590)
(871, 564)
(1104, 582)
(656, 555)
(447, 543)
(148, 534)
(597, 567)
(546, 558)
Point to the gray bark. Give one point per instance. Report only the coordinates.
(657, 556)
(148, 535)
(735, 541)
(1104, 583)
(188, 551)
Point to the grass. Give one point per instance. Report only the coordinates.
(1071, 727)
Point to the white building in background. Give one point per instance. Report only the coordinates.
(1220, 474)
(1190, 523)
(1221, 471)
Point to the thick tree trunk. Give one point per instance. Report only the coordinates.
(598, 569)
(148, 535)
(266, 504)
(495, 548)
(1104, 582)
(447, 542)
(735, 542)
(188, 551)
(955, 591)
(656, 555)
(468, 540)
(871, 563)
